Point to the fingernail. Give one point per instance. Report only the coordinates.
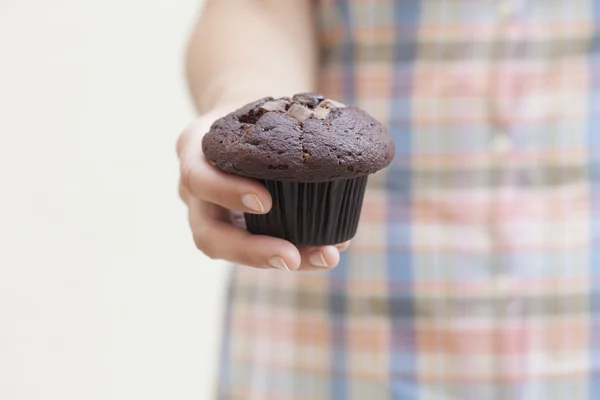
(317, 259)
(252, 202)
(277, 262)
(343, 246)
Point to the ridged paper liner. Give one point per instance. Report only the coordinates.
(311, 214)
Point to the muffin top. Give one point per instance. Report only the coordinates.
(307, 138)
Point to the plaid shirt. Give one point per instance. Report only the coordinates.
(475, 273)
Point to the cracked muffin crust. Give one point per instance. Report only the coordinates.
(307, 138)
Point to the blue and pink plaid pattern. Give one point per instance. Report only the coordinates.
(475, 274)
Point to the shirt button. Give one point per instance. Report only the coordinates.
(501, 143)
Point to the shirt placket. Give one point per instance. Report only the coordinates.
(505, 113)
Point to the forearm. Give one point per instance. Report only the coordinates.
(242, 50)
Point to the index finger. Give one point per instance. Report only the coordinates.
(205, 182)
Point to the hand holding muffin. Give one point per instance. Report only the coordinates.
(216, 200)
(297, 169)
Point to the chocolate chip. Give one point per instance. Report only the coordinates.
(308, 99)
(321, 112)
(275, 105)
(328, 103)
(299, 112)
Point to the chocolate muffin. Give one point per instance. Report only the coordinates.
(314, 156)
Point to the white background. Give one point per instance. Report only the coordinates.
(102, 294)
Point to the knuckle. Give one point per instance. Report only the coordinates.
(204, 244)
(186, 176)
(183, 195)
(181, 142)
(197, 182)
(184, 139)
